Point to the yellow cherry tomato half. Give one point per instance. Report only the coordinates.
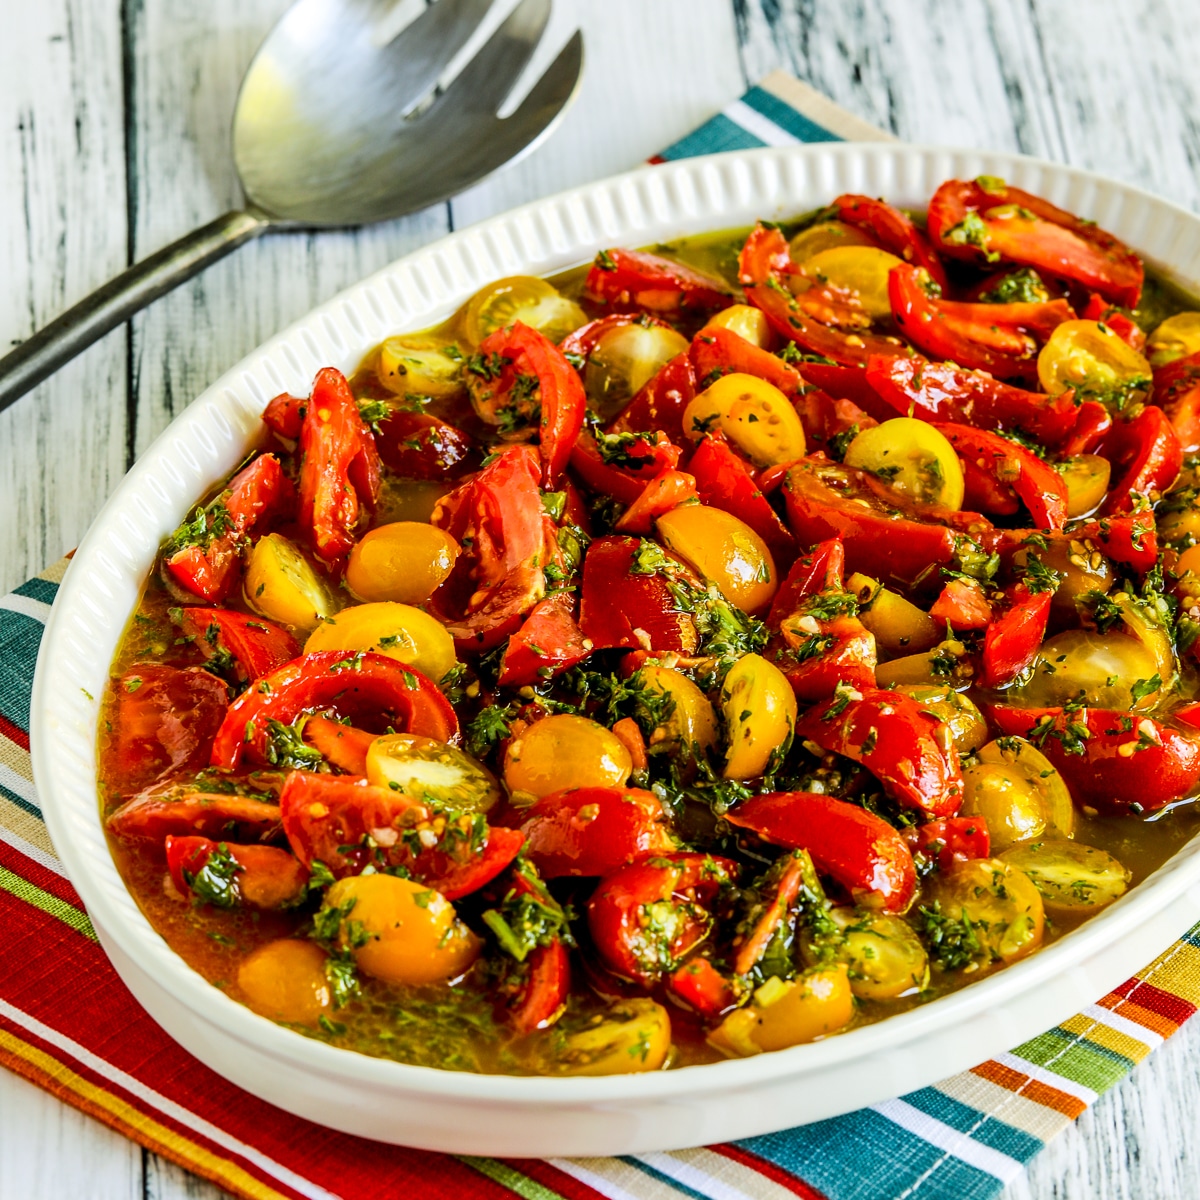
(285, 980)
(957, 712)
(1086, 477)
(913, 457)
(422, 768)
(626, 358)
(633, 1036)
(1104, 667)
(753, 414)
(420, 364)
(1024, 758)
(826, 235)
(1073, 879)
(523, 298)
(282, 585)
(786, 1013)
(859, 269)
(760, 713)
(397, 630)
(406, 561)
(565, 751)
(881, 952)
(723, 550)
(1175, 338)
(401, 931)
(746, 321)
(693, 720)
(1009, 803)
(898, 625)
(1088, 356)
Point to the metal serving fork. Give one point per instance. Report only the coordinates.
(337, 124)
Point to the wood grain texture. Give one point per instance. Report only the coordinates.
(114, 118)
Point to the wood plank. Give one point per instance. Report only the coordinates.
(61, 148)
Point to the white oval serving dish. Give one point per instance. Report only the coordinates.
(499, 1115)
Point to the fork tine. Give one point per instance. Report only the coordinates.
(489, 76)
(421, 51)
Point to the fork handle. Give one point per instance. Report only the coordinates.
(116, 301)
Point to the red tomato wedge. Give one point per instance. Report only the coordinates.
(548, 643)
(635, 279)
(257, 645)
(266, 877)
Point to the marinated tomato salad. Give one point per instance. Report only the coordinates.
(703, 653)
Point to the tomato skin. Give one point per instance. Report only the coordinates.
(688, 882)
(894, 230)
(1129, 331)
(255, 496)
(724, 481)
(1177, 390)
(962, 605)
(164, 723)
(1149, 450)
(381, 688)
(269, 878)
(822, 569)
(775, 913)
(594, 830)
(498, 514)
(418, 446)
(1132, 540)
(284, 415)
(1013, 639)
(326, 818)
(661, 402)
(544, 991)
(151, 817)
(1111, 775)
(998, 338)
(1037, 484)
(646, 281)
(860, 850)
(663, 493)
(716, 352)
(1092, 425)
(258, 645)
(342, 745)
(889, 545)
(897, 741)
(653, 455)
(763, 268)
(702, 988)
(615, 602)
(940, 392)
(526, 352)
(339, 471)
(950, 840)
(559, 642)
(1054, 241)
(586, 338)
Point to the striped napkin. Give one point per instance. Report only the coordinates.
(68, 1024)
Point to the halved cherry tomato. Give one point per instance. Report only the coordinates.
(647, 917)
(595, 830)
(266, 876)
(1092, 425)
(1013, 639)
(718, 352)
(1131, 540)
(950, 840)
(620, 608)
(822, 569)
(344, 746)
(962, 605)
(1149, 451)
(860, 850)
(660, 403)
(1002, 339)
(513, 356)
(348, 825)
(163, 723)
(497, 517)
(183, 811)
(663, 493)
(724, 481)
(1177, 391)
(633, 279)
(339, 466)
(418, 446)
(986, 220)
(255, 496)
(701, 987)
(622, 470)
(1128, 330)
(284, 415)
(544, 988)
(909, 751)
(548, 643)
(763, 270)
(258, 645)
(942, 392)
(1037, 484)
(784, 880)
(377, 689)
(1113, 761)
(894, 231)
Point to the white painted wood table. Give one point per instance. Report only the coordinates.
(114, 139)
